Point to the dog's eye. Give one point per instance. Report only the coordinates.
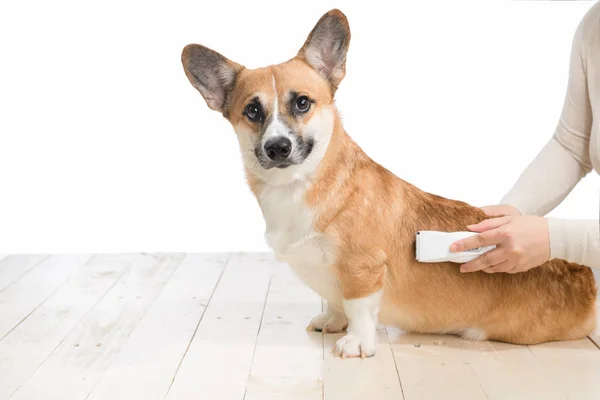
(302, 104)
(253, 112)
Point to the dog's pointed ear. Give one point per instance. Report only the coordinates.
(211, 73)
(326, 47)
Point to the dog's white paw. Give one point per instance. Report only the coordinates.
(353, 346)
(328, 323)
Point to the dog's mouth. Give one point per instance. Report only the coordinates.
(300, 152)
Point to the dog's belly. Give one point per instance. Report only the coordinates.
(312, 261)
(418, 303)
(411, 320)
(391, 313)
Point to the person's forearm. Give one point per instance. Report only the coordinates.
(566, 158)
(576, 241)
(546, 181)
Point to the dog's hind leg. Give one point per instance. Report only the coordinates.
(332, 320)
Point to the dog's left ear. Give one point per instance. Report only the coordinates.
(326, 47)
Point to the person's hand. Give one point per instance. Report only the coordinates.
(500, 210)
(522, 243)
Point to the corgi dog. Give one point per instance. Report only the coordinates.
(347, 226)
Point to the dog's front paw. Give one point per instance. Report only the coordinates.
(352, 345)
(328, 323)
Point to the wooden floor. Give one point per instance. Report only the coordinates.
(232, 326)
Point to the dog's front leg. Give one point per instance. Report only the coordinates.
(362, 289)
(362, 316)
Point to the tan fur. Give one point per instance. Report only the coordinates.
(372, 216)
(294, 74)
(375, 216)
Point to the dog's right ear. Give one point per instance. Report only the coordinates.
(211, 73)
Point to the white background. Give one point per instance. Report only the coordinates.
(106, 147)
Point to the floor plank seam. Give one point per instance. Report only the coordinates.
(566, 396)
(395, 363)
(479, 381)
(24, 273)
(597, 344)
(138, 322)
(262, 315)
(225, 266)
(47, 297)
(74, 327)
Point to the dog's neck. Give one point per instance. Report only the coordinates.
(294, 210)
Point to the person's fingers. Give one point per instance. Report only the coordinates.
(485, 261)
(522, 268)
(500, 210)
(505, 266)
(487, 238)
(493, 211)
(488, 224)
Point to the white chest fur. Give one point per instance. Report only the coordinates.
(290, 233)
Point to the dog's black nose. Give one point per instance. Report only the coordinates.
(278, 149)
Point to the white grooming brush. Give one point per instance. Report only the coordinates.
(434, 247)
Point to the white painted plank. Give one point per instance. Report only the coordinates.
(356, 378)
(288, 360)
(26, 347)
(218, 360)
(14, 267)
(502, 370)
(458, 369)
(508, 371)
(430, 371)
(73, 369)
(22, 297)
(573, 365)
(147, 362)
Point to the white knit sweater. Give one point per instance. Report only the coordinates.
(573, 152)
